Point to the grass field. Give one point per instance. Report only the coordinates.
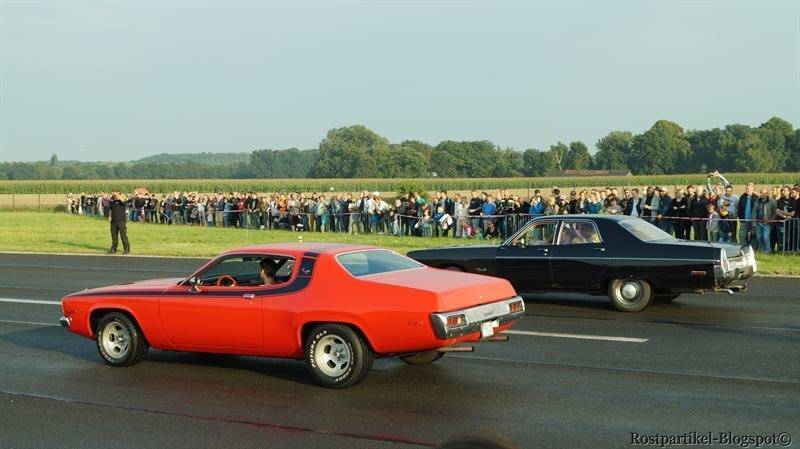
(63, 233)
(380, 184)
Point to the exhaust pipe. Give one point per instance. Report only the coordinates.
(495, 338)
(456, 349)
(724, 290)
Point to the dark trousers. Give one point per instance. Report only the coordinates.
(700, 231)
(122, 230)
(680, 229)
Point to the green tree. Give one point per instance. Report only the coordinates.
(613, 151)
(663, 149)
(349, 152)
(453, 159)
(536, 162)
(577, 157)
(53, 159)
(507, 163)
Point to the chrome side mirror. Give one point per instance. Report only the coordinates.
(195, 282)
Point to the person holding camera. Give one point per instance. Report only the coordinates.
(117, 218)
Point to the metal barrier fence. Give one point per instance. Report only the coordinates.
(780, 236)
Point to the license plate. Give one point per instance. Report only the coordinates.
(487, 328)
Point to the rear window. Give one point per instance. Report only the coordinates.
(643, 230)
(363, 263)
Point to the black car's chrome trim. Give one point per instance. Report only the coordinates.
(610, 258)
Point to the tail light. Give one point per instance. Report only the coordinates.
(454, 321)
(516, 307)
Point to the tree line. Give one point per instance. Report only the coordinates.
(358, 152)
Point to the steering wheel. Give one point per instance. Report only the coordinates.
(230, 281)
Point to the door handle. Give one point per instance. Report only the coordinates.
(544, 250)
(602, 250)
(249, 296)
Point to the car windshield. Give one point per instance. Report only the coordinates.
(643, 230)
(363, 263)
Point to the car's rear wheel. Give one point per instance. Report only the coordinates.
(667, 298)
(337, 357)
(119, 340)
(422, 358)
(630, 295)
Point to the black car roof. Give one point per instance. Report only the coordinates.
(585, 216)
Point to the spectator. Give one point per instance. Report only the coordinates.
(475, 207)
(488, 214)
(786, 209)
(678, 211)
(712, 222)
(726, 226)
(697, 212)
(614, 208)
(765, 213)
(664, 210)
(746, 211)
(634, 205)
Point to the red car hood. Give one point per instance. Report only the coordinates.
(455, 289)
(144, 287)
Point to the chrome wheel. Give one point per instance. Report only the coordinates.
(630, 291)
(116, 340)
(332, 355)
(630, 295)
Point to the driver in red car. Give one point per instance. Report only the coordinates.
(268, 270)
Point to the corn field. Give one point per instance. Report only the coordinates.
(380, 184)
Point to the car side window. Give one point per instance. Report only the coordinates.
(539, 234)
(245, 270)
(578, 233)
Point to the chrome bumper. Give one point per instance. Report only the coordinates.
(65, 321)
(741, 267)
(500, 311)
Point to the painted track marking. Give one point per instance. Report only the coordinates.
(31, 301)
(579, 336)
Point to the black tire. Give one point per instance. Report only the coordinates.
(667, 298)
(336, 356)
(422, 358)
(119, 340)
(630, 295)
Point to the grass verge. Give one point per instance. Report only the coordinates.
(48, 232)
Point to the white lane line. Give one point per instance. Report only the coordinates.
(28, 322)
(578, 336)
(31, 301)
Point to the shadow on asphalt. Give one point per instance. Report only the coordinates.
(386, 371)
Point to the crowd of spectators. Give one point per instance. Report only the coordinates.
(712, 212)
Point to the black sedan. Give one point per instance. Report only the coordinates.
(628, 258)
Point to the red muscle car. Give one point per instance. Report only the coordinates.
(336, 306)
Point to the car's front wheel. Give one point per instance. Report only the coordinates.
(337, 357)
(119, 340)
(422, 358)
(630, 295)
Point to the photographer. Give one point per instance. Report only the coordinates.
(118, 219)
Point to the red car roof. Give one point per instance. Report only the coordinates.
(297, 247)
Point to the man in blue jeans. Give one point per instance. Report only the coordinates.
(745, 211)
(765, 212)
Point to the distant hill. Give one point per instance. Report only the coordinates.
(202, 158)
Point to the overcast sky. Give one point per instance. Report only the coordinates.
(119, 81)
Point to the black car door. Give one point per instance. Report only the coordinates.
(525, 260)
(580, 259)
